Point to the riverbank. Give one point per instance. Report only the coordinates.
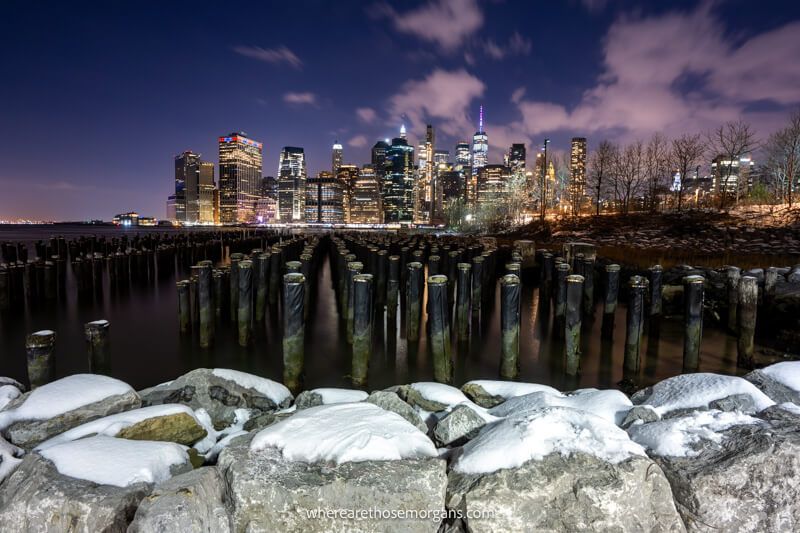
(221, 450)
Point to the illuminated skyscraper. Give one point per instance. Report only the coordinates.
(397, 189)
(205, 193)
(441, 157)
(336, 158)
(240, 167)
(365, 198)
(379, 158)
(463, 158)
(425, 204)
(347, 176)
(480, 157)
(194, 189)
(515, 159)
(324, 199)
(492, 185)
(291, 184)
(577, 168)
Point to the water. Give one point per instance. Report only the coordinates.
(147, 348)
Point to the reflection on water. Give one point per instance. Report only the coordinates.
(146, 347)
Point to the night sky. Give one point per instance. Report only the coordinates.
(97, 98)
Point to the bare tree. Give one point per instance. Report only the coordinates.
(628, 174)
(686, 153)
(783, 158)
(600, 169)
(656, 168)
(728, 143)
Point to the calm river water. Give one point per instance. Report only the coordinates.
(147, 348)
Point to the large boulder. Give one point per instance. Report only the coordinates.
(62, 405)
(459, 425)
(10, 389)
(778, 381)
(566, 493)
(747, 480)
(221, 392)
(270, 493)
(36, 497)
(194, 501)
(390, 401)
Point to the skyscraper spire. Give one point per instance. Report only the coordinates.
(480, 121)
(402, 131)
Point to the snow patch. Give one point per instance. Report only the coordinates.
(510, 389)
(532, 435)
(64, 395)
(786, 373)
(205, 446)
(611, 405)
(113, 424)
(690, 391)
(331, 396)
(273, 390)
(790, 407)
(449, 396)
(119, 462)
(677, 437)
(345, 432)
(8, 393)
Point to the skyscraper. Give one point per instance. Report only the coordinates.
(205, 193)
(463, 157)
(240, 167)
(492, 185)
(425, 204)
(577, 168)
(336, 158)
(194, 189)
(515, 159)
(480, 157)
(291, 184)
(398, 181)
(187, 170)
(379, 158)
(347, 176)
(324, 199)
(365, 198)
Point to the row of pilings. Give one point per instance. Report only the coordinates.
(391, 277)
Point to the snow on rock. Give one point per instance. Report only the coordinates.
(677, 437)
(532, 435)
(786, 373)
(9, 458)
(64, 395)
(790, 407)
(346, 432)
(113, 424)
(7, 394)
(331, 395)
(508, 389)
(440, 393)
(691, 391)
(273, 390)
(214, 437)
(438, 399)
(119, 462)
(611, 405)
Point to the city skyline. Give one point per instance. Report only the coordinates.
(109, 117)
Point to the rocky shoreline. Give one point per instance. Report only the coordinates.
(222, 450)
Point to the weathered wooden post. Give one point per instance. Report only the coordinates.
(655, 275)
(464, 289)
(770, 281)
(184, 310)
(353, 269)
(559, 298)
(693, 321)
(274, 275)
(748, 304)
(293, 330)
(572, 324)
(414, 292)
(262, 285)
(205, 300)
(392, 288)
(610, 296)
(477, 284)
(440, 329)
(434, 265)
(234, 285)
(41, 363)
(633, 337)
(245, 309)
(587, 269)
(732, 282)
(509, 325)
(96, 333)
(362, 327)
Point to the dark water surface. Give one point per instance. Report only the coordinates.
(147, 348)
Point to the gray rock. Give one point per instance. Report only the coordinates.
(201, 388)
(746, 482)
(269, 493)
(263, 420)
(392, 402)
(478, 394)
(36, 497)
(793, 276)
(308, 399)
(191, 502)
(458, 426)
(28, 433)
(778, 392)
(575, 493)
(639, 414)
(735, 402)
(415, 399)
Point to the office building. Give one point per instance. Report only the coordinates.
(365, 206)
(424, 201)
(398, 181)
(577, 167)
(347, 176)
(480, 157)
(324, 199)
(492, 185)
(336, 158)
(515, 159)
(292, 184)
(240, 176)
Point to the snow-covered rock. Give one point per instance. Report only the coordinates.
(347, 432)
(489, 393)
(194, 501)
(743, 479)
(62, 405)
(611, 405)
(781, 381)
(119, 462)
(326, 396)
(696, 391)
(10, 389)
(270, 493)
(168, 422)
(460, 424)
(433, 397)
(390, 401)
(36, 497)
(10, 458)
(221, 392)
